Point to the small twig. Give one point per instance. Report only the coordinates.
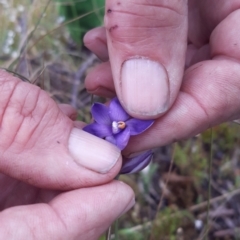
(217, 213)
(108, 233)
(20, 61)
(216, 187)
(194, 208)
(24, 46)
(204, 204)
(34, 81)
(16, 74)
(78, 76)
(225, 232)
(161, 199)
(209, 182)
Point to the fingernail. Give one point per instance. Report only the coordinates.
(128, 207)
(92, 152)
(145, 88)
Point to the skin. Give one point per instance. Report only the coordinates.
(45, 194)
(210, 80)
(78, 203)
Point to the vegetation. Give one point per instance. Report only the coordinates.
(39, 44)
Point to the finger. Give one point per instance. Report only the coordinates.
(205, 15)
(224, 40)
(147, 62)
(69, 111)
(15, 193)
(195, 55)
(96, 41)
(209, 94)
(40, 146)
(99, 81)
(208, 97)
(80, 214)
(79, 124)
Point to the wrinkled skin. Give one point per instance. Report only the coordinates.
(44, 193)
(206, 93)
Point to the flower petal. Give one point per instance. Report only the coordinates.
(136, 164)
(111, 139)
(138, 126)
(99, 130)
(100, 114)
(122, 138)
(116, 111)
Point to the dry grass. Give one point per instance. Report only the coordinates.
(50, 59)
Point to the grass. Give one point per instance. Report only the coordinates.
(37, 45)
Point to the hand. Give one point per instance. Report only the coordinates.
(149, 44)
(46, 165)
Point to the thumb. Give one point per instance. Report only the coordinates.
(146, 42)
(40, 146)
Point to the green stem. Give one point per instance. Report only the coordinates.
(108, 233)
(116, 230)
(209, 183)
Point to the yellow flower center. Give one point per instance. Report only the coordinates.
(121, 125)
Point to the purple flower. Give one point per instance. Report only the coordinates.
(114, 124)
(137, 163)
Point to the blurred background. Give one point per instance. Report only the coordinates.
(191, 188)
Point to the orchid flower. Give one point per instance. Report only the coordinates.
(115, 125)
(137, 163)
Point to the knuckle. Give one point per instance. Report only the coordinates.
(136, 20)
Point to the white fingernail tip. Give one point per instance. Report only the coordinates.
(92, 152)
